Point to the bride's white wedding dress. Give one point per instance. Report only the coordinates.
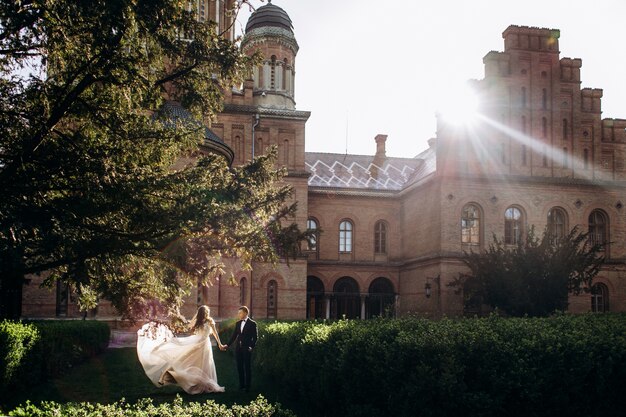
(185, 361)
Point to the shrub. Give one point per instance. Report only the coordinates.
(18, 352)
(31, 352)
(561, 365)
(146, 408)
(67, 343)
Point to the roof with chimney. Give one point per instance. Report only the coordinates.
(368, 172)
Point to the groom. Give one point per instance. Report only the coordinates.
(244, 336)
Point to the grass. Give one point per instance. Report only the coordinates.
(117, 374)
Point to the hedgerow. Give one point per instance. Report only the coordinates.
(561, 365)
(31, 352)
(146, 408)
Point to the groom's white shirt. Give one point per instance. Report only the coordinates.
(243, 324)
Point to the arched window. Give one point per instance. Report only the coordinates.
(513, 226)
(565, 158)
(470, 225)
(286, 153)
(599, 298)
(524, 128)
(273, 73)
(544, 127)
(242, 291)
(63, 297)
(200, 293)
(544, 99)
(523, 96)
(316, 303)
(565, 129)
(557, 223)
(259, 147)
(345, 236)
(586, 158)
(285, 86)
(597, 228)
(272, 298)
(311, 226)
(380, 237)
(237, 145)
(545, 157)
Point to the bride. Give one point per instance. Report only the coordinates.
(185, 361)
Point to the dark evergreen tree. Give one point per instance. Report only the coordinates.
(89, 193)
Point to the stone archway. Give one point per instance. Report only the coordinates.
(381, 298)
(346, 299)
(315, 296)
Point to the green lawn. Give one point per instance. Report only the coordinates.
(117, 374)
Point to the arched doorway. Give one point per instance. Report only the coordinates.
(315, 306)
(381, 299)
(347, 299)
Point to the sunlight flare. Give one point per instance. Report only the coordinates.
(459, 104)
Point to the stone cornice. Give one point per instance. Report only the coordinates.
(353, 192)
(524, 179)
(298, 174)
(268, 112)
(260, 35)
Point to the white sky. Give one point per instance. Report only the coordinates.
(378, 66)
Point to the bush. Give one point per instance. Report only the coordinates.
(146, 408)
(561, 365)
(31, 352)
(18, 351)
(67, 343)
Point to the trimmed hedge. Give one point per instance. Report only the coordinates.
(563, 365)
(146, 408)
(70, 342)
(31, 352)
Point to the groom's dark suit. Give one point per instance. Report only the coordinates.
(245, 341)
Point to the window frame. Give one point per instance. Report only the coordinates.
(380, 237)
(346, 236)
(464, 218)
(511, 225)
(593, 234)
(272, 299)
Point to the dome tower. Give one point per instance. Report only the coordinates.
(270, 31)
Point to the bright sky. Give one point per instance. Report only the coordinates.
(372, 66)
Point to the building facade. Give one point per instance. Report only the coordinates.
(392, 231)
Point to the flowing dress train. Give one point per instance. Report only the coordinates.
(184, 361)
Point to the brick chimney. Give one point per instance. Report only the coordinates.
(381, 155)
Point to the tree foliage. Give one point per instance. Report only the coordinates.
(533, 278)
(86, 156)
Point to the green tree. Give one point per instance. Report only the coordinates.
(533, 278)
(87, 154)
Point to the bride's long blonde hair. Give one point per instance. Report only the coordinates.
(202, 316)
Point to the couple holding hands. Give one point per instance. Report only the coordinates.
(188, 361)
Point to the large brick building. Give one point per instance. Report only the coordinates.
(393, 229)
